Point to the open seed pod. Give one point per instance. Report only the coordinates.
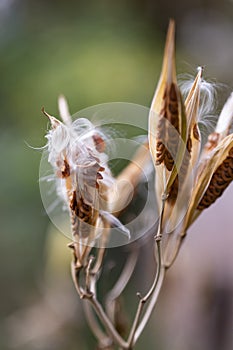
(83, 179)
(181, 189)
(214, 175)
(167, 128)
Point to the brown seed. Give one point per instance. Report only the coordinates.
(73, 201)
(180, 178)
(168, 161)
(65, 170)
(189, 144)
(196, 133)
(99, 143)
(173, 108)
(160, 154)
(172, 93)
(168, 128)
(220, 180)
(99, 176)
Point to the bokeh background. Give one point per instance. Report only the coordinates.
(96, 52)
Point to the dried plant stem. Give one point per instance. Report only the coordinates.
(150, 306)
(89, 279)
(103, 339)
(143, 300)
(153, 290)
(91, 297)
(88, 292)
(101, 250)
(75, 276)
(170, 262)
(122, 281)
(158, 282)
(107, 323)
(98, 263)
(158, 236)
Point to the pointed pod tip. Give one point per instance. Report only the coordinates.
(54, 122)
(171, 30)
(168, 70)
(172, 24)
(200, 71)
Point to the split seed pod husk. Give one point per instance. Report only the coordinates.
(207, 169)
(167, 122)
(181, 188)
(80, 179)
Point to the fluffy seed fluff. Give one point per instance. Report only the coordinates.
(207, 112)
(76, 152)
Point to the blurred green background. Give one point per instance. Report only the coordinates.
(92, 52)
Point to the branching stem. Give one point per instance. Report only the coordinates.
(150, 306)
(132, 339)
(89, 293)
(99, 310)
(143, 300)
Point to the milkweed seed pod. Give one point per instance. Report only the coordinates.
(220, 180)
(169, 145)
(223, 174)
(193, 139)
(76, 153)
(215, 168)
(167, 122)
(181, 188)
(180, 192)
(189, 179)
